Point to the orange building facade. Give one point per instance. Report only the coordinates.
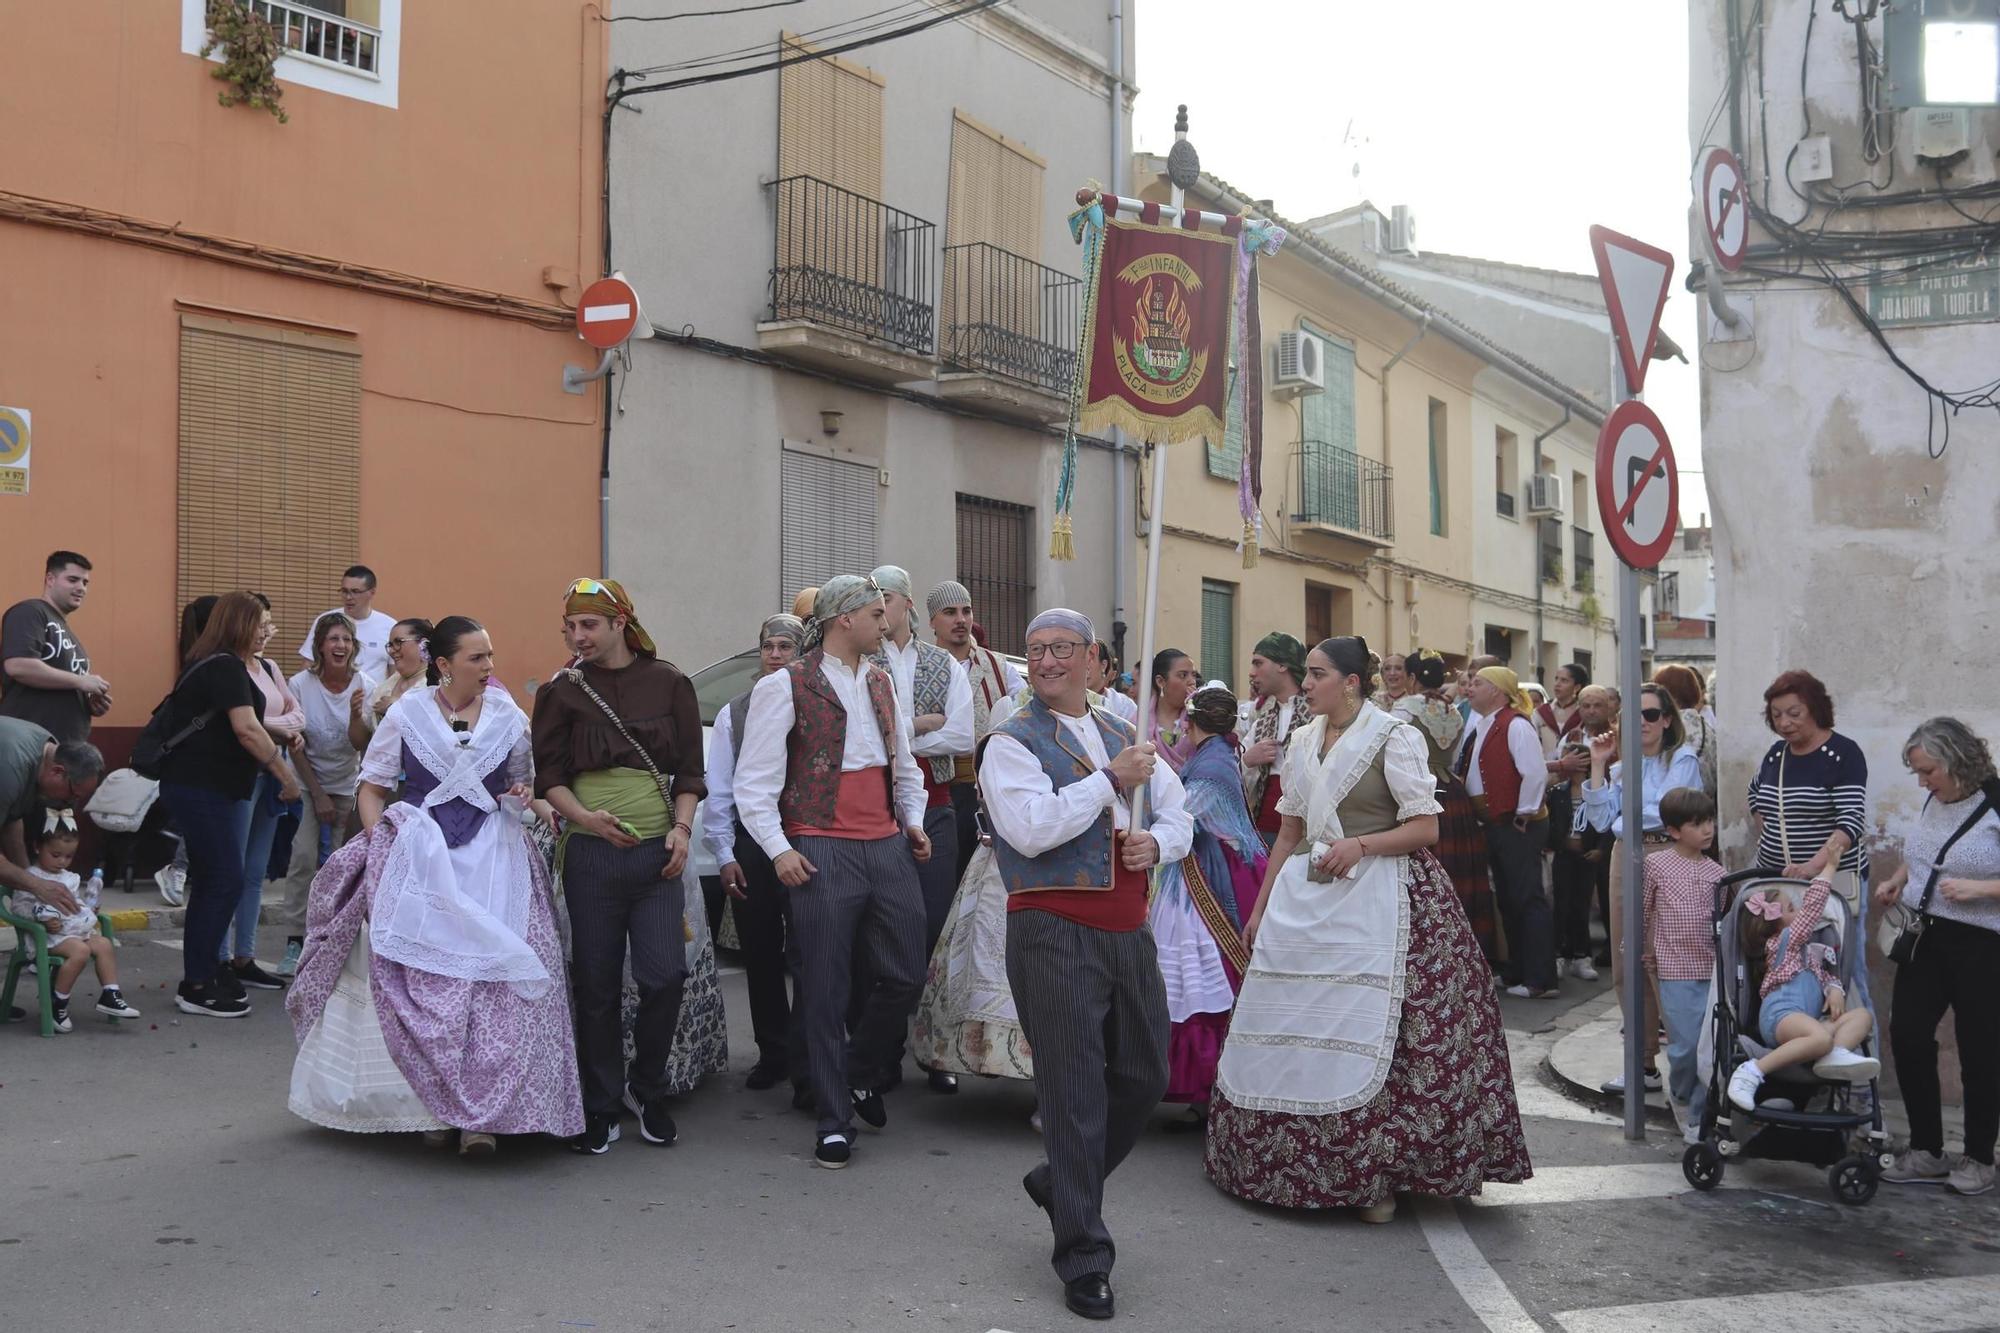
(255, 352)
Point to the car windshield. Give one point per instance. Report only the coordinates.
(716, 684)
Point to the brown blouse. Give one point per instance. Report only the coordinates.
(657, 703)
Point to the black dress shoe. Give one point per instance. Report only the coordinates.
(1038, 1190)
(943, 1082)
(868, 1105)
(766, 1074)
(1090, 1296)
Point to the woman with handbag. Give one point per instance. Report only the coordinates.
(1943, 931)
(618, 754)
(1810, 802)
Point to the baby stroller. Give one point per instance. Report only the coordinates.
(1800, 1117)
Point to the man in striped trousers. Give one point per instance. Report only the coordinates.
(1056, 778)
(826, 785)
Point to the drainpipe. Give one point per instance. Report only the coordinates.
(1535, 458)
(1389, 596)
(1121, 494)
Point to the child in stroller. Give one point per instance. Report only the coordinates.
(1802, 1015)
(1774, 939)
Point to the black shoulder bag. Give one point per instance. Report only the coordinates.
(160, 739)
(1909, 929)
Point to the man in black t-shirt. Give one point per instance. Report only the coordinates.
(45, 675)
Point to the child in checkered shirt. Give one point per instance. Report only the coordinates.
(1680, 942)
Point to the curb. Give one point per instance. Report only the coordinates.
(1657, 1111)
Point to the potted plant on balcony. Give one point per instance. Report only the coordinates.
(250, 49)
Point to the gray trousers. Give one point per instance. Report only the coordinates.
(865, 894)
(290, 914)
(615, 895)
(1095, 1011)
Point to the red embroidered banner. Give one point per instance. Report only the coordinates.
(1156, 342)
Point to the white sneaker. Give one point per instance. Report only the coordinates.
(1743, 1085)
(1650, 1081)
(1970, 1177)
(1841, 1065)
(1917, 1168)
(1581, 969)
(172, 885)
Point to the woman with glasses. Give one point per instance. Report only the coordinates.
(407, 661)
(431, 993)
(1667, 761)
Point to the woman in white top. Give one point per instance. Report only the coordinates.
(1366, 1055)
(407, 661)
(333, 695)
(1951, 875)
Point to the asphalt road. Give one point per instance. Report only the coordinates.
(151, 1178)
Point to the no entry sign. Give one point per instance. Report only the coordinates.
(1638, 487)
(607, 313)
(1725, 207)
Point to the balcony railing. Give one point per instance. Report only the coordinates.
(1010, 316)
(1341, 489)
(850, 262)
(1586, 560)
(1503, 504)
(317, 35)
(1551, 535)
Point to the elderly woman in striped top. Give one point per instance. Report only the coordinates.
(1810, 801)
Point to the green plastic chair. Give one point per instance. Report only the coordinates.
(31, 940)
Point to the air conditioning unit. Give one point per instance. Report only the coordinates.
(1545, 494)
(1296, 367)
(1402, 231)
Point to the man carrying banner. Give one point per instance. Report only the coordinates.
(1057, 777)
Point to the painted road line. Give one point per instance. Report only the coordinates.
(175, 945)
(1478, 1285)
(1938, 1305)
(1587, 1184)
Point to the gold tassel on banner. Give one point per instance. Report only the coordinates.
(1062, 539)
(1249, 545)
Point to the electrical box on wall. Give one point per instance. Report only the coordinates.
(1814, 159)
(1940, 133)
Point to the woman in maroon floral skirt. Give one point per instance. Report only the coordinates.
(1366, 1056)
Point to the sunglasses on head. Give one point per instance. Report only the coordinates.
(588, 588)
(1652, 714)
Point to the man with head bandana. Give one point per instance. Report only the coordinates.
(761, 908)
(936, 700)
(992, 679)
(1277, 670)
(616, 738)
(826, 784)
(1501, 764)
(1056, 777)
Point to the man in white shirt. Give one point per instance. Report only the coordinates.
(1277, 672)
(762, 909)
(827, 786)
(1504, 771)
(1104, 681)
(992, 680)
(935, 696)
(1084, 974)
(371, 627)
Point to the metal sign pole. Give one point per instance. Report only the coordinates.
(1632, 848)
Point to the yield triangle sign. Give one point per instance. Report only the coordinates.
(1634, 276)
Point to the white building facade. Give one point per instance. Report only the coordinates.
(867, 300)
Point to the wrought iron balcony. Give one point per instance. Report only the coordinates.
(1586, 560)
(1010, 316)
(1338, 488)
(318, 35)
(849, 262)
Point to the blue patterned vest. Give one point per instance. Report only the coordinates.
(1084, 862)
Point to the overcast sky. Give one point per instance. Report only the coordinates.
(1509, 129)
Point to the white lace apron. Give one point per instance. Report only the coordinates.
(1316, 1023)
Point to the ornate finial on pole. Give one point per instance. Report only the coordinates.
(1180, 119)
(1183, 163)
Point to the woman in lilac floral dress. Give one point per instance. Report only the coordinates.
(1365, 1057)
(431, 993)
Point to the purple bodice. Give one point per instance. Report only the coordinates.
(459, 818)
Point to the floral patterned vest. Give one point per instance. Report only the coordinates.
(1084, 862)
(818, 740)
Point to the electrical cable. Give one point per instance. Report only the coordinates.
(836, 31)
(701, 13)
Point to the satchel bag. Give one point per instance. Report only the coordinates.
(160, 738)
(1902, 927)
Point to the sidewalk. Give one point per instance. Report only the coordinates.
(1594, 1051)
(140, 910)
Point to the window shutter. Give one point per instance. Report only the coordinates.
(270, 465)
(1218, 632)
(994, 541)
(830, 121)
(1331, 484)
(1227, 462)
(829, 520)
(995, 194)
